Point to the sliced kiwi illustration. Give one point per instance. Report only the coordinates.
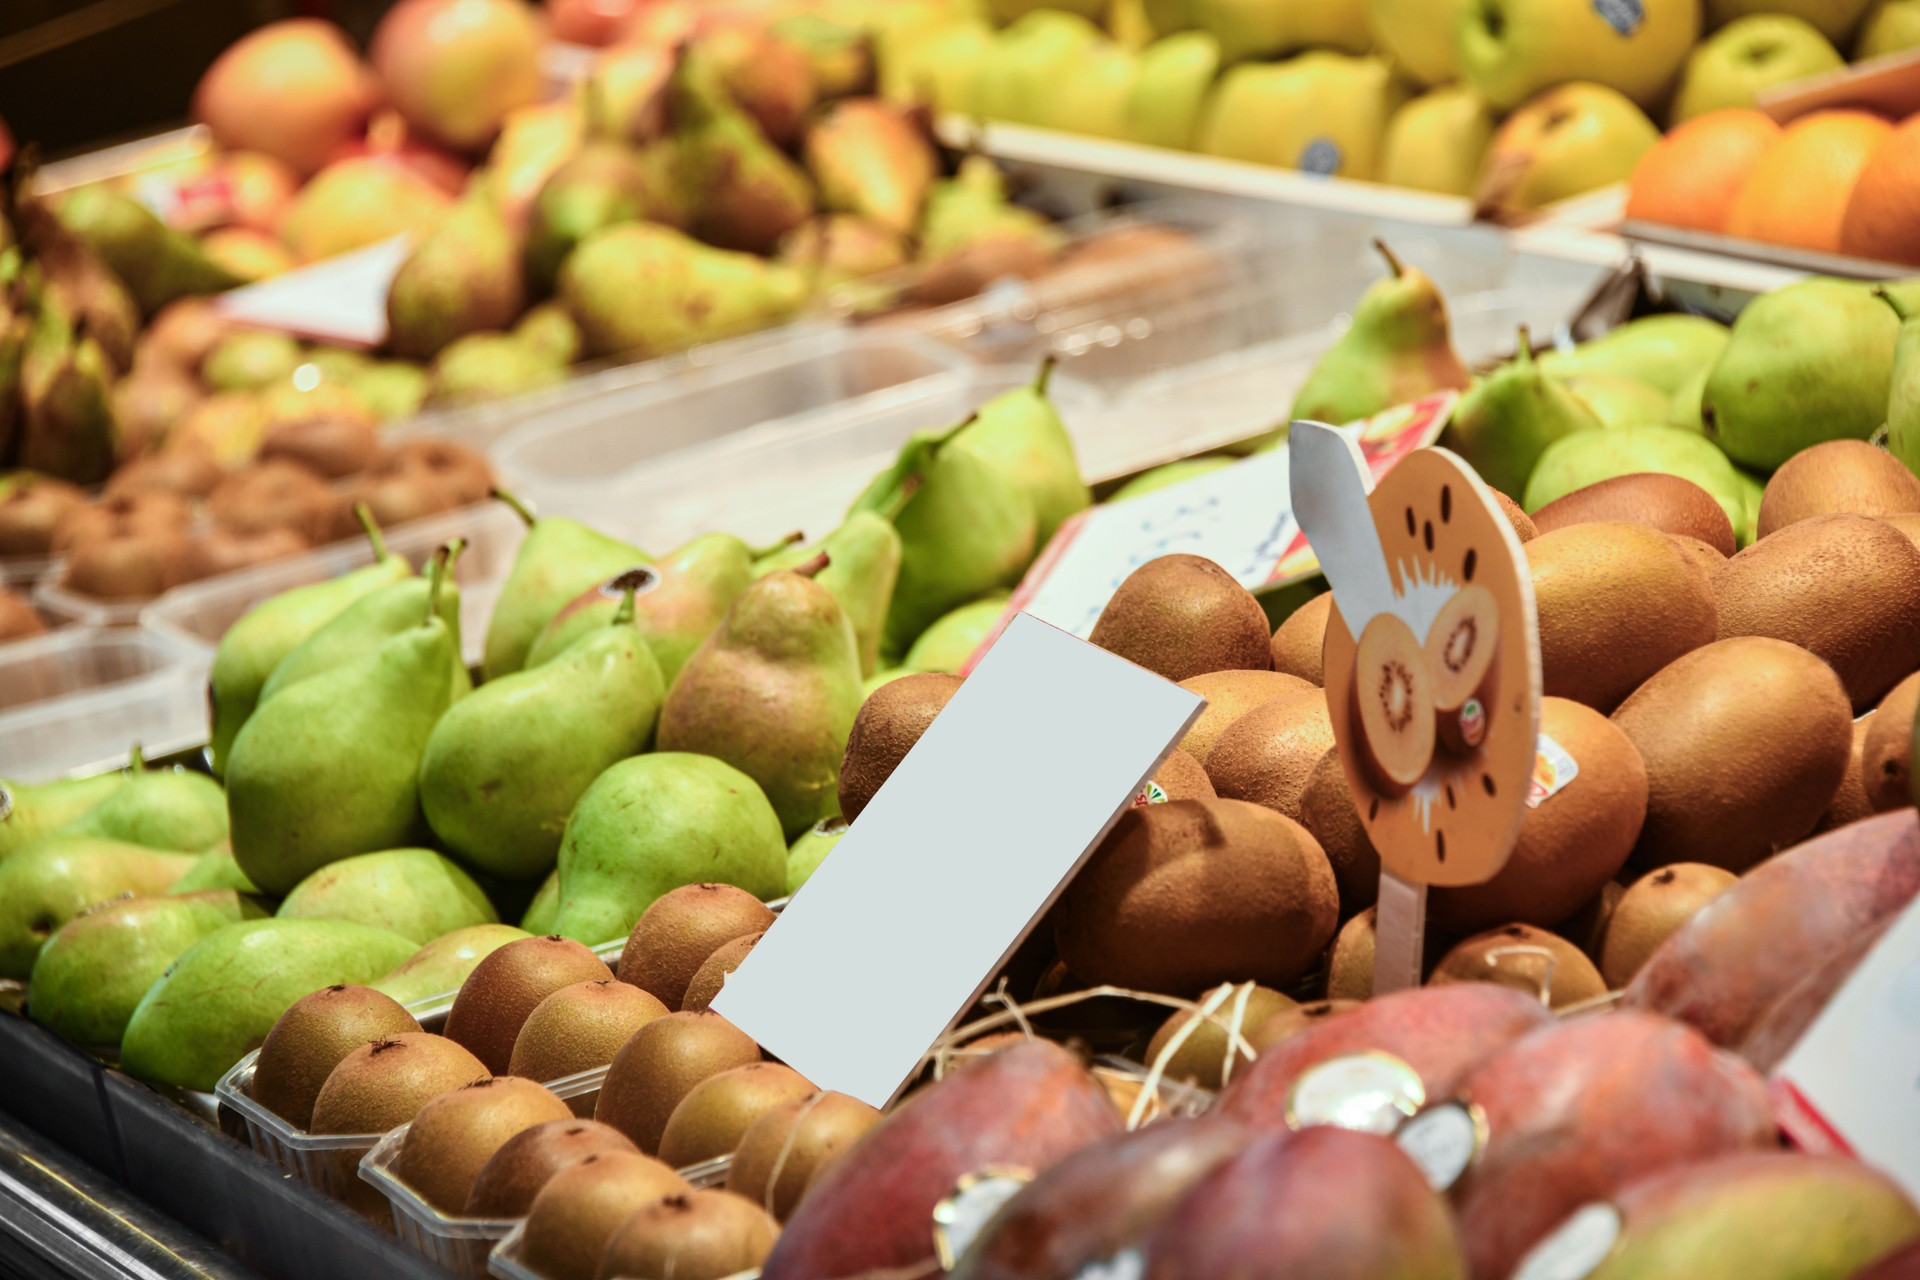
(1393, 702)
(1460, 649)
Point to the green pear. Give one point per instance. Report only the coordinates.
(30, 810)
(1734, 66)
(370, 622)
(811, 849)
(937, 66)
(490, 366)
(559, 559)
(249, 360)
(839, 50)
(504, 768)
(747, 192)
(439, 967)
(223, 995)
(1092, 99)
(158, 264)
(1620, 402)
(1163, 106)
(1509, 418)
(549, 332)
(544, 910)
(1032, 57)
(274, 628)
(330, 767)
(600, 185)
(641, 289)
(1665, 352)
(215, 869)
(392, 390)
(773, 692)
(1435, 143)
(948, 643)
(1891, 26)
(48, 884)
(1398, 349)
(463, 277)
(871, 158)
(1323, 113)
(1684, 409)
(1021, 433)
(1170, 473)
(966, 527)
(972, 206)
(415, 893)
(880, 679)
(68, 426)
(863, 564)
(1588, 457)
(654, 823)
(89, 977)
(72, 283)
(169, 809)
(1903, 402)
(842, 247)
(1747, 527)
(1807, 363)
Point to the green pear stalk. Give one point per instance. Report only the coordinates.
(1508, 420)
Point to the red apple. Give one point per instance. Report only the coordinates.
(455, 68)
(295, 90)
(594, 22)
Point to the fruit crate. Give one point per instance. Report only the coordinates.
(327, 1162)
(505, 1261)
(74, 700)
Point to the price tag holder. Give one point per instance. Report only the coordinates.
(341, 300)
(954, 859)
(1851, 1085)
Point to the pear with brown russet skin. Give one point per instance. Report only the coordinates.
(463, 277)
(747, 193)
(874, 159)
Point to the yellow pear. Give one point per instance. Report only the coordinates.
(1436, 142)
(1418, 35)
(1511, 50)
(1323, 113)
(1564, 143)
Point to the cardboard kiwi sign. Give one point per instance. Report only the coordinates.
(1432, 670)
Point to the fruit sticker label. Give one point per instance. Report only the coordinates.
(1553, 769)
(1152, 793)
(1371, 1092)
(1321, 159)
(1128, 1264)
(1624, 16)
(1444, 1140)
(1576, 1247)
(965, 1212)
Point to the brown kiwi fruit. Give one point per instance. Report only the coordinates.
(680, 929)
(967, 270)
(455, 1134)
(184, 332)
(463, 473)
(716, 1113)
(1179, 777)
(186, 473)
(504, 988)
(890, 721)
(1846, 588)
(1569, 846)
(330, 447)
(223, 551)
(1667, 503)
(31, 508)
(579, 1211)
(1745, 742)
(1392, 706)
(383, 1085)
(1709, 559)
(699, 1235)
(1595, 588)
(1587, 927)
(1526, 959)
(18, 618)
(1850, 802)
(1203, 1057)
(713, 972)
(1267, 755)
(130, 566)
(1299, 641)
(1461, 646)
(1350, 962)
(1837, 477)
(580, 1027)
(1288, 1023)
(121, 515)
(791, 1144)
(507, 1183)
(1908, 525)
(1885, 772)
(1181, 616)
(1326, 810)
(661, 1064)
(1652, 910)
(394, 497)
(1523, 526)
(310, 1039)
(1230, 695)
(276, 494)
(148, 401)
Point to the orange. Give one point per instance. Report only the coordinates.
(1883, 218)
(1691, 177)
(1798, 193)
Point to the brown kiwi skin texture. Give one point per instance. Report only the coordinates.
(1851, 802)
(680, 929)
(383, 1085)
(271, 495)
(661, 1064)
(455, 1134)
(1267, 755)
(700, 1235)
(1291, 1022)
(331, 448)
(1886, 773)
(1653, 909)
(461, 472)
(1524, 527)
(578, 1028)
(1587, 927)
(118, 515)
(1574, 977)
(1299, 643)
(510, 1180)
(505, 988)
(713, 973)
(1837, 477)
(1181, 616)
(1231, 695)
(716, 1113)
(889, 722)
(312, 1037)
(1327, 810)
(1709, 559)
(1182, 777)
(30, 511)
(789, 1145)
(1667, 503)
(584, 1205)
(18, 618)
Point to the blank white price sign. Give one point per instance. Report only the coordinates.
(955, 858)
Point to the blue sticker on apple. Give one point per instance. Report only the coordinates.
(1322, 157)
(1624, 16)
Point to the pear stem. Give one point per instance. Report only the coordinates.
(624, 614)
(1045, 375)
(1887, 297)
(1524, 352)
(519, 508)
(136, 762)
(902, 496)
(1393, 260)
(761, 553)
(367, 522)
(443, 558)
(813, 566)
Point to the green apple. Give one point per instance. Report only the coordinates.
(1270, 28)
(1567, 141)
(1892, 26)
(1175, 73)
(1835, 18)
(1418, 35)
(1747, 57)
(1028, 63)
(1092, 99)
(1511, 50)
(1324, 113)
(1435, 142)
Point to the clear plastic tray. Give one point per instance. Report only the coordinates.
(504, 1262)
(327, 1162)
(74, 700)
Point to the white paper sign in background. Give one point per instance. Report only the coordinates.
(953, 860)
(342, 299)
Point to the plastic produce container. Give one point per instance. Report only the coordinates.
(327, 1162)
(76, 699)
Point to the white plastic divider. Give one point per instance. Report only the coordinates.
(75, 700)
